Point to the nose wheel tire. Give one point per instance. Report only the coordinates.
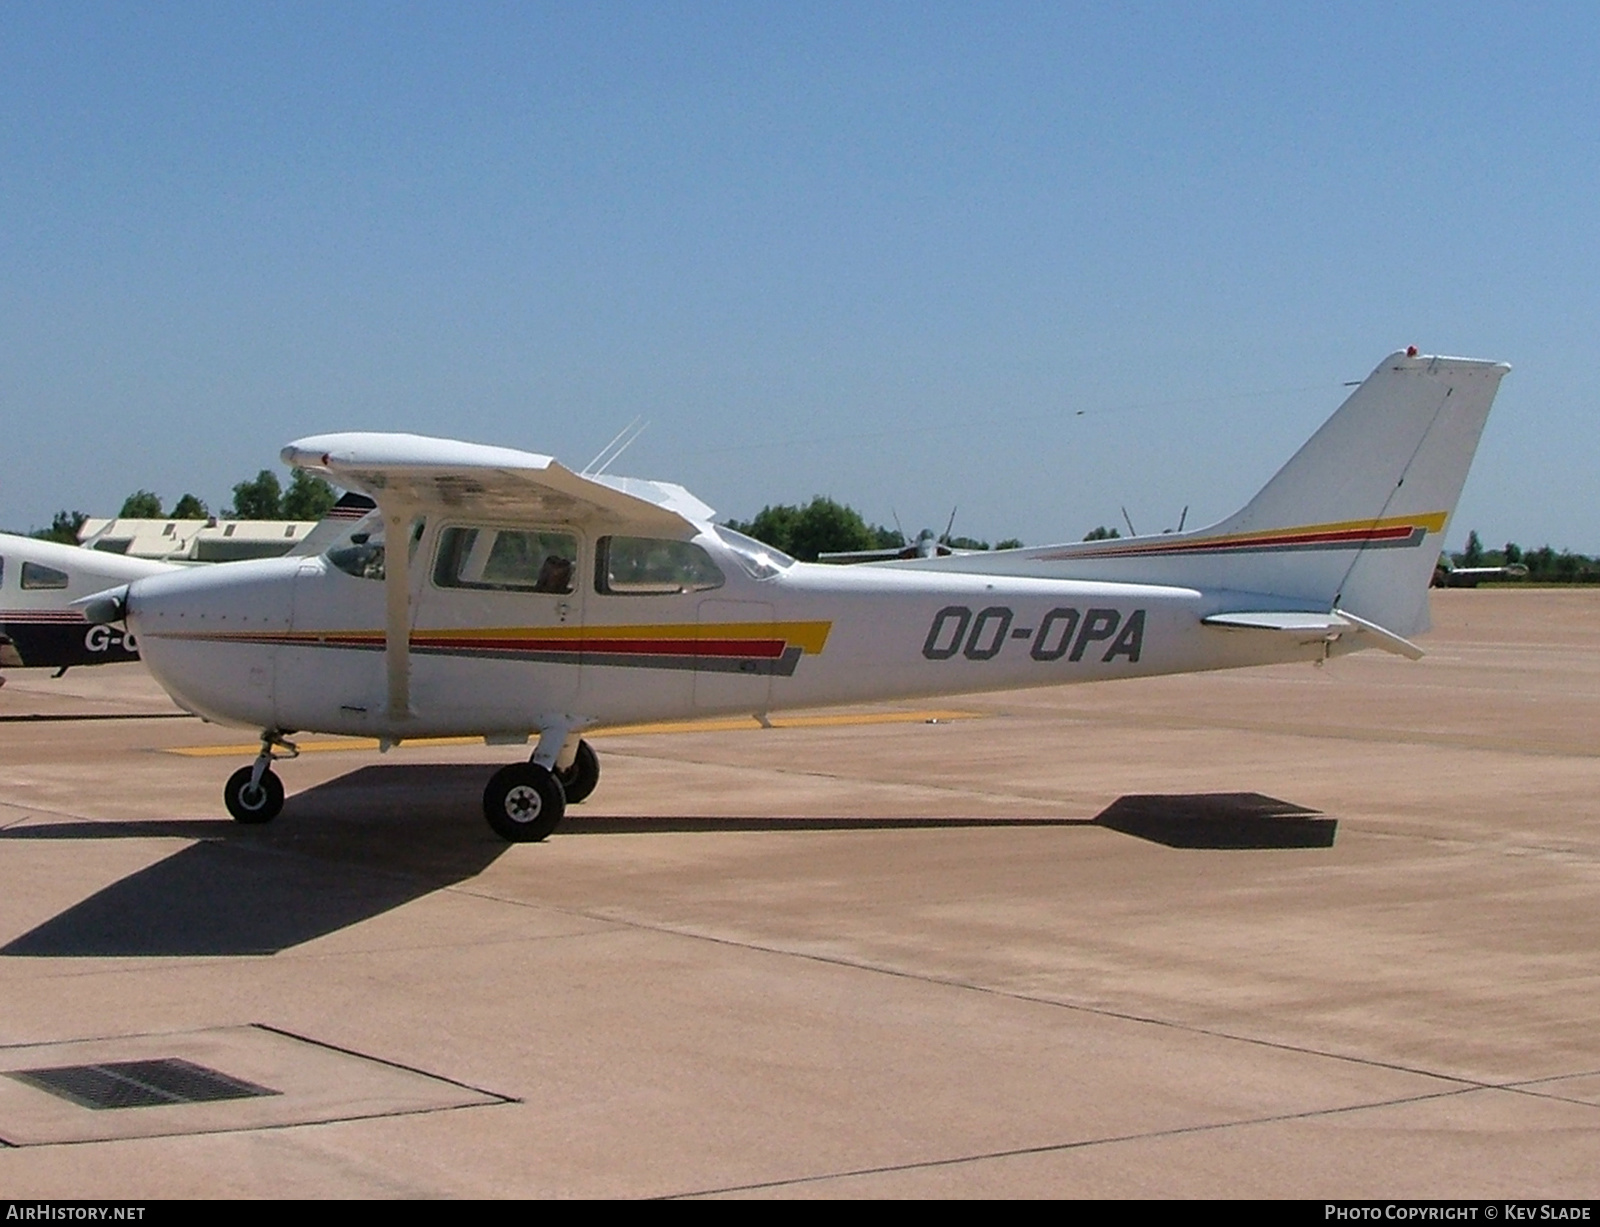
(260, 803)
(578, 780)
(523, 802)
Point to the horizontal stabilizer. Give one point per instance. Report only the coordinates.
(1288, 623)
(1381, 638)
(1309, 627)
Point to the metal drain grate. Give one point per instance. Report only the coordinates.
(139, 1084)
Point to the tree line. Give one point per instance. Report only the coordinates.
(259, 498)
(821, 526)
(824, 526)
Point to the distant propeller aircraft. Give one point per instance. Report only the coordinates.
(502, 595)
(924, 545)
(1447, 574)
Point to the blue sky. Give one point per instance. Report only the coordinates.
(1041, 261)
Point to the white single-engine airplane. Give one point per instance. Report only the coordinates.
(39, 581)
(508, 596)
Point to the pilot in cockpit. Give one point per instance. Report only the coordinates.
(555, 575)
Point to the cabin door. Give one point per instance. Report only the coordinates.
(497, 638)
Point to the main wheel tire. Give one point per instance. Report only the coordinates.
(253, 805)
(578, 780)
(523, 802)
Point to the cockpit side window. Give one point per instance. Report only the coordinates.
(648, 566)
(36, 576)
(506, 560)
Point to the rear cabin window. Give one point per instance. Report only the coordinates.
(648, 566)
(506, 560)
(36, 576)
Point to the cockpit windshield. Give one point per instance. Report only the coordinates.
(361, 553)
(762, 561)
(362, 557)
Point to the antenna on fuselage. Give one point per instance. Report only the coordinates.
(1132, 531)
(615, 448)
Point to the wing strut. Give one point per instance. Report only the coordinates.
(397, 598)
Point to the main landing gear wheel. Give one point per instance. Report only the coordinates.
(578, 780)
(258, 803)
(523, 802)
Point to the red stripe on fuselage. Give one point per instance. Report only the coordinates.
(760, 649)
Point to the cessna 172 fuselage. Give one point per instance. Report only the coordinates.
(496, 593)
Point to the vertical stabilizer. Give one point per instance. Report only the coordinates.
(1356, 518)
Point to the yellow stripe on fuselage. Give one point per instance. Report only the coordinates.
(1433, 521)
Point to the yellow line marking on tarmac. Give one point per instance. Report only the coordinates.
(728, 725)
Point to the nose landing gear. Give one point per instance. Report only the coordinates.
(524, 802)
(254, 794)
(253, 800)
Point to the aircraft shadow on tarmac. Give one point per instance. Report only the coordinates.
(342, 852)
(382, 836)
(1219, 820)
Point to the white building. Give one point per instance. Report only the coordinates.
(210, 540)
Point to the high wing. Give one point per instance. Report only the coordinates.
(412, 474)
(427, 474)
